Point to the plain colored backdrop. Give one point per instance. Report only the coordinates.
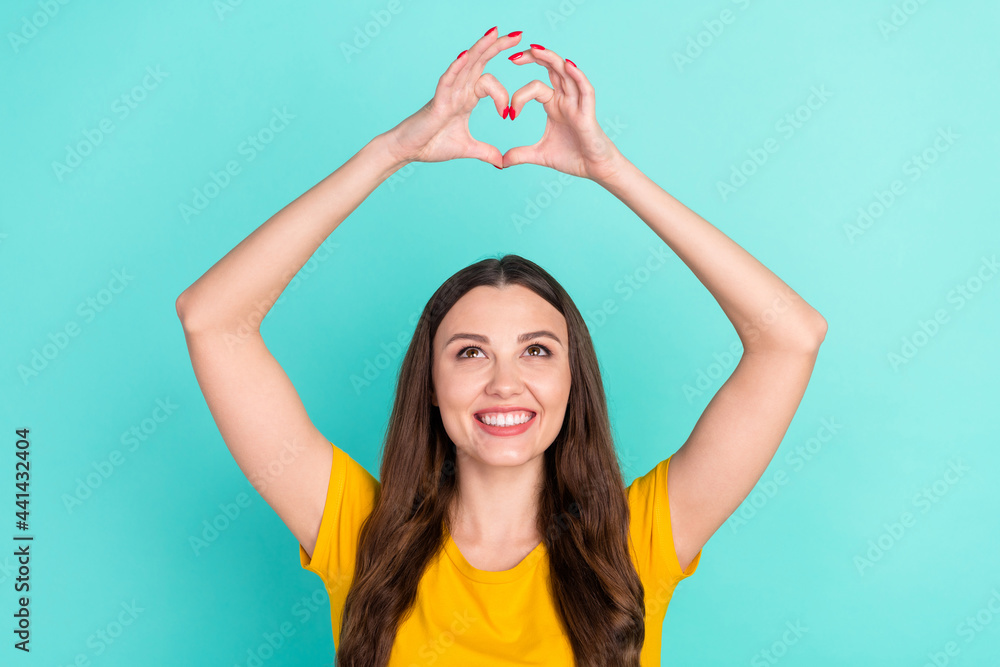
(859, 143)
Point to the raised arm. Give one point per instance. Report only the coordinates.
(258, 412)
(740, 430)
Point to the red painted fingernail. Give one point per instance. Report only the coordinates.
(496, 166)
(462, 54)
(515, 56)
(515, 33)
(489, 31)
(506, 110)
(512, 113)
(538, 46)
(571, 62)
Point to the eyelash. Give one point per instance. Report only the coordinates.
(476, 347)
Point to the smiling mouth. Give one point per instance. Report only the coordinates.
(531, 416)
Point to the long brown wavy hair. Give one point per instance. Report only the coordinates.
(583, 513)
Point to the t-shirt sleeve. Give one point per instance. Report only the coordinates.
(350, 497)
(650, 527)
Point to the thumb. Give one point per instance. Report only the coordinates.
(521, 155)
(486, 153)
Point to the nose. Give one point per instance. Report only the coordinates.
(506, 378)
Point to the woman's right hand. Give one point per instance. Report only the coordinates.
(439, 131)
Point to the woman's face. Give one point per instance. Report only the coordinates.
(531, 373)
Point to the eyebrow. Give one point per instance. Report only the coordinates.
(523, 338)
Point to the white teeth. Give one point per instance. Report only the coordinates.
(505, 419)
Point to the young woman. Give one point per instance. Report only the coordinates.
(500, 531)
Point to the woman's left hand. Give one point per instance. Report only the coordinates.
(573, 141)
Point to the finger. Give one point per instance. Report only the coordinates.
(486, 153)
(561, 81)
(587, 99)
(525, 57)
(451, 74)
(466, 60)
(533, 90)
(487, 84)
(521, 155)
(490, 49)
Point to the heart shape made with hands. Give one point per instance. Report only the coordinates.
(497, 93)
(572, 142)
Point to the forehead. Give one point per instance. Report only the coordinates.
(501, 315)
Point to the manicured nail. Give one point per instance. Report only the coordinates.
(496, 166)
(512, 113)
(538, 46)
(515, 56)
(571, 62)
(461, 54)
(489, 31)
(515, 33)
(506, 110)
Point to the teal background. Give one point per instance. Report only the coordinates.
(791, 558)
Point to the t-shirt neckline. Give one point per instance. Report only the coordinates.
(486, 576)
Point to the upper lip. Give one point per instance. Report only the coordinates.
(504, 408)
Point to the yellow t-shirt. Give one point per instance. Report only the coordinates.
(465, 616)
